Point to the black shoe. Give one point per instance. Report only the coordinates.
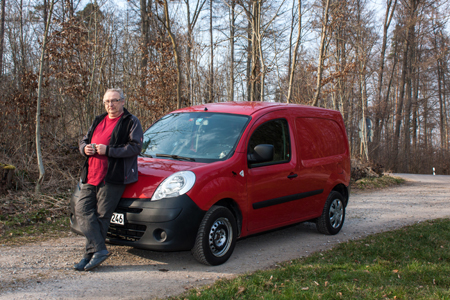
(96, 260)
(80, 266)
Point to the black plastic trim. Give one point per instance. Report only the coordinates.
(275, 201)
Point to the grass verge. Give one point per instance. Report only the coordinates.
(26, 218)
(408, 263)
(20, 235)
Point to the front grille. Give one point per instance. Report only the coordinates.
(123, 210)
(127, 232)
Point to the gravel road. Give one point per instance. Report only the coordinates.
(43, 270)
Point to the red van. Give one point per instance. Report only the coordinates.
(212, 173)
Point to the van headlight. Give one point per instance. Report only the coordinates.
(175, 185)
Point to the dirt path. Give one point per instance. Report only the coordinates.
(43, 270)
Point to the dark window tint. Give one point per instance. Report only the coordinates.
(276, 133)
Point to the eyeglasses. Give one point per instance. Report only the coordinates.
(113, 101)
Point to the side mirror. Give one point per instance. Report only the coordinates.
(263, 153)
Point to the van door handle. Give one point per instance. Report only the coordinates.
(292, 175)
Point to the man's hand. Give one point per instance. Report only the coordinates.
(101, 149)
(89, 150)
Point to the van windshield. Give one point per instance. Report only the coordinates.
(195, 136)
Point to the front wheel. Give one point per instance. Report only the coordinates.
(216, 237)
(333, 214)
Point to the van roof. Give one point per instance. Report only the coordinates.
(242, 108)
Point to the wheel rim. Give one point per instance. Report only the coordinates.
(336, 213)
(220, 237)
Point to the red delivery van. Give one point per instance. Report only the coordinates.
(213, 173)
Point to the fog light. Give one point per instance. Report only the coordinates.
(160, 235)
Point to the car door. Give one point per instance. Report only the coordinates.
(272, 185)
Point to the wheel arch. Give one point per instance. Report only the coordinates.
(235, 210)
(343, 190)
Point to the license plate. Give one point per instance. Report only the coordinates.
(118, 219)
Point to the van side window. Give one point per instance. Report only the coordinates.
(276, 133)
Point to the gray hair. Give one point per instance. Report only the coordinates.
(116, 90)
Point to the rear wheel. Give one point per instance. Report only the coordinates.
(216, 237)
(333, 214)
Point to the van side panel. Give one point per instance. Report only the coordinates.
(319, 138)
(323, 151)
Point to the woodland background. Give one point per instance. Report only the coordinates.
(386, 60)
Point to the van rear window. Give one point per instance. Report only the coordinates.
(319, 138)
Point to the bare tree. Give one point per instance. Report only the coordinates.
(381, 106)
(211, 57)
(167, 24)
(410, 21)
(440, 47)
(323, 37)
(293, 60)
(38, 110)
(258, 26)
(232, 43)
(2, 35)
(145, 41)
(191, 22)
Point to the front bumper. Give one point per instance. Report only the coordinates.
(165, 225)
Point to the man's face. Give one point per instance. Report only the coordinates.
(113, 107)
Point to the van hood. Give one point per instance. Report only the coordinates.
(153, 171)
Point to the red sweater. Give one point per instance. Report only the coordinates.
(98, 164)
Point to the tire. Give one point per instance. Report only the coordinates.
(216, 237)
(333, 214)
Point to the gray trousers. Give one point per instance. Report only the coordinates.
(94, 210)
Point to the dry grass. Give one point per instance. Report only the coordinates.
(25, 215)
(369, 183)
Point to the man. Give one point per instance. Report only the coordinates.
(111, 147)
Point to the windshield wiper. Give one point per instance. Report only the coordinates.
(175, 157)
(146, 155)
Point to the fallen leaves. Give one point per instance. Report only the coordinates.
(241, 289)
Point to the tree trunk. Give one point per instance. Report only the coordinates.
(405, 83)
(2, 36)
(321, 53)
(441, 67)
(190, 28)
(144, 45)
(249, 54)
(255, 62)
(295, 53)
(407, 114)
(399, 109)
(232, 31)
(211, 62)
(175, 52)
(415, 119)
(39, 100)
(189, 53)
(22, 63)
(381, 105)
(260, 54)
(71, 10)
